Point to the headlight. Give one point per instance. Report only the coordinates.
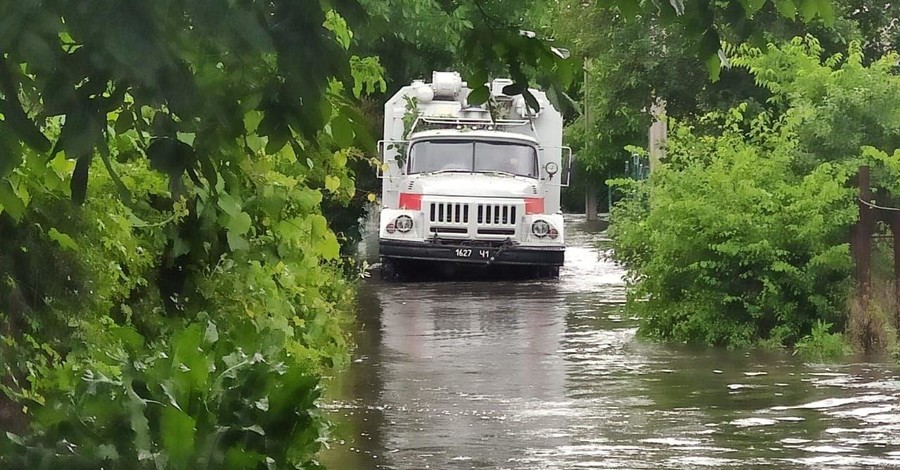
(540, 228)
(404, 223)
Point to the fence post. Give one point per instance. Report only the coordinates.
(861, 241)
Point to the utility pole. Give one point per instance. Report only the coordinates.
(590, 186)
(656, 138)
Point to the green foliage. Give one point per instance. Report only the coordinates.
(821, 345)
(482, 39)
(843, 103)
(100, 303)
(194, 400)
(104, 306)
(84, 327)
(634, 63)
(727, 245)
(741, 236)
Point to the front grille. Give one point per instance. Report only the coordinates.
(472, 220)
(496, 231)
(449, 230)
(449, 212)
(496, 214)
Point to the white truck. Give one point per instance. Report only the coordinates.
(471, 185)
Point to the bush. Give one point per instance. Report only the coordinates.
(726, 246)
(179, 327)
(741, 235)
(821, 345)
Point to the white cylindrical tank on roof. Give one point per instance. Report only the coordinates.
(424, 93)
(446, 84)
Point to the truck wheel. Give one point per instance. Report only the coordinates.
(389, 270)
(548, 272)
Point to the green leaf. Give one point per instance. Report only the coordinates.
(177, 429)
(78, 135)
(10, 203)
(531, 101)
(340, 158)
(23, 127)
(826, 11)
(62, 239)
(79, 181)
(787, 8)
(229, 204)
(124, 122)
(212, 333)
(239, 458)
(342, 131)
(278, 138)
(237, 242)
(171, 156)
(332, 183)
(478, 95)
(752, 6)
(239, 224)
(808, 9)
(714, 67)
(629, 8)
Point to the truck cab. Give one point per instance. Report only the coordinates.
(462, 187)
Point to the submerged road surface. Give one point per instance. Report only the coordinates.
(549, 375)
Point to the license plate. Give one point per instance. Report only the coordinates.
(473, 253)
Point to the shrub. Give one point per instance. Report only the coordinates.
(821, 345)
(180, 327)
(725, 245)
(741, 235)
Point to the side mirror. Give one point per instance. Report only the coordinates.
(388, 151)
(551, 168)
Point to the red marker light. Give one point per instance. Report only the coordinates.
(534, 205)
(410, 201)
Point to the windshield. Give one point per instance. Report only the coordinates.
(482, 157)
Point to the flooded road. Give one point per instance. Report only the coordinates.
(549, 375)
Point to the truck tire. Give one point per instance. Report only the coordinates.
(548, 272)
(389, 270)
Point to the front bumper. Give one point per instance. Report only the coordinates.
(467, 253)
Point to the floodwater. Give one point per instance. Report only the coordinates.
(549, 375)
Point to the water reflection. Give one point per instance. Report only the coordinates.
(549, 375)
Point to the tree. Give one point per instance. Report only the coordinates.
(182, 320)
(187, 303)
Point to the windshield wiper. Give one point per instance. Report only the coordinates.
(450, 170)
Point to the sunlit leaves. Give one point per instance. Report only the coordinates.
(337, 25)
(64, 240)
(368, 75)
(332, 183)
(10, 203)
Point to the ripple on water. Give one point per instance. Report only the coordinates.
(753, 422)
(837, 402)
(548, 375)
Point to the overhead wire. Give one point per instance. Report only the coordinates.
(872, 205)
